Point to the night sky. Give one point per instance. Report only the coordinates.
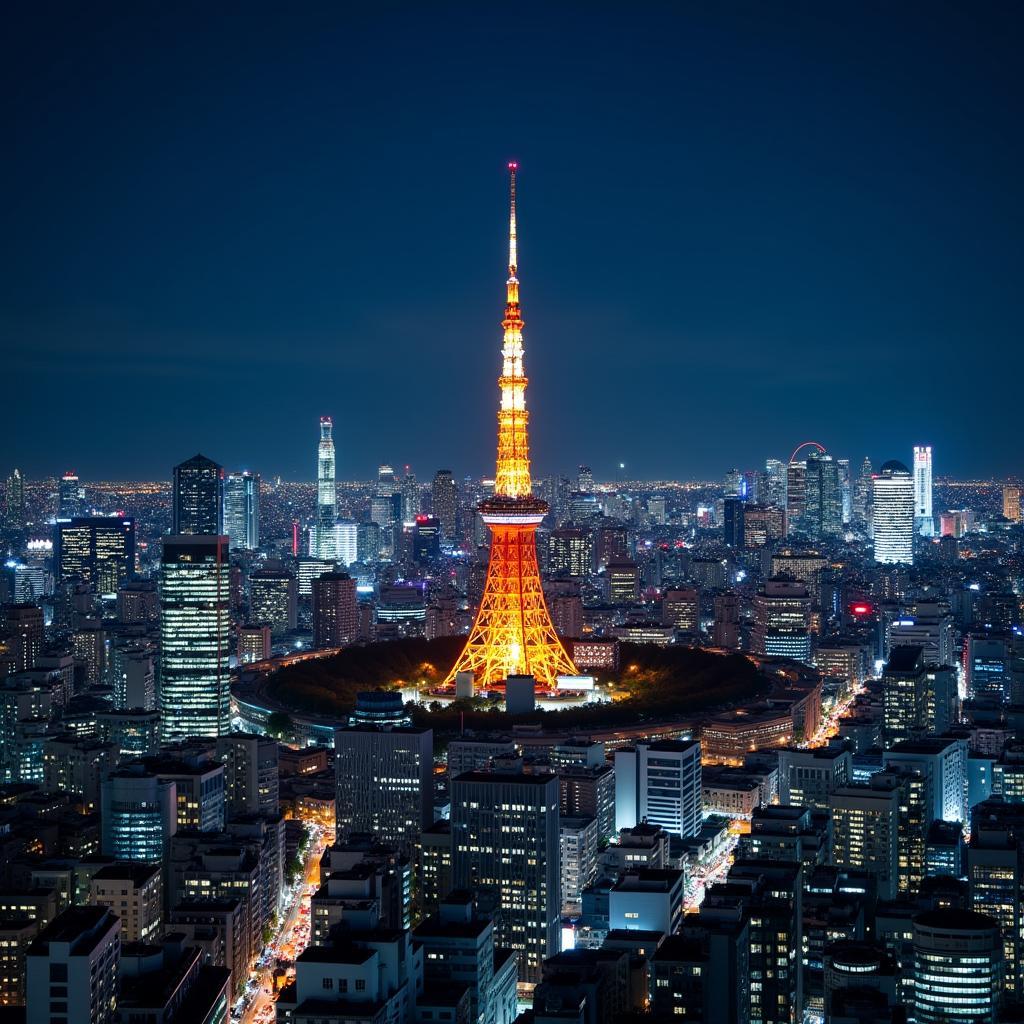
(741, 226)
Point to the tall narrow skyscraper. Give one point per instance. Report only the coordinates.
(195, 696)
(924, 522)
(198, 500)
(513, 633)
(242, 510)
(326, 500)
(70, 497)
(445, 502)
(893, 514)
(15, 518)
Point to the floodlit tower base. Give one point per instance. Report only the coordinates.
(513, 633)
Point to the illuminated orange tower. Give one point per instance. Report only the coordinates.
(513, 634)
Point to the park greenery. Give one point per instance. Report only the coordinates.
(652, 684)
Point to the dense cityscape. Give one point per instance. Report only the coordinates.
(468, 742)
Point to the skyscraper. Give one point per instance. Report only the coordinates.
(823, 499)
(1011, 502)
(659, 783)
(194, 637)
(505, 849)
(15, 518)
(410, 497)
(385, 782)
(198, 500)
(445, 502)
(70, 497)
(335, 610)
(893, 514)
(242, 510)
(774, 483)
(862, 494)
(326, 501)
(513, 633)
(845, 490)
(924, 523)
(98, 551)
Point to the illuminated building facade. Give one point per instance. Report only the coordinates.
(444, 502)
(924, 522)
(194, 637)
(1011, 503)
(326, 499)
(242, 510)
(70, 497)
(198, 501)
(513, 633)
(98, 551)
(893, 514)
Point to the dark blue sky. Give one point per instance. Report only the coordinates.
(742, 225)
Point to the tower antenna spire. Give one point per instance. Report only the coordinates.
(513, 254)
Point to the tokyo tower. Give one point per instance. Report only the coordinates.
(513, 634)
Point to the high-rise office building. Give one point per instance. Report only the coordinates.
(138, 814)
(385, 782)
(782, 619)
(335, 610)
(680, 607)
(273, 600)
(426, 538)
(733, 509)
(346, 541)
(198, 500)
(505, 848)
(98, 551)
(958, 967)
(893, 514)
(845, 490)
(823, 498)
(326, 499)
(774, 490)
(571, 552)
(195, 607)
(796, 492)
(659, 783)
(1011, 502)
(585, 480)
(70, 497)
(865, 831)
(444, 502)
(251, 780)
(410, 497)
(15, 501)
(862, 495)
(924, 522)
(242, 510)
(72, 969)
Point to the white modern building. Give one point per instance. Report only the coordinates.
(660, 783)
(242, 510)
(893, 514)
(326, 501)
(924, 522)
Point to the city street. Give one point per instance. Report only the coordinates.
(292, 935)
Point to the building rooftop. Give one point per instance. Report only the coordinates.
(135, 871)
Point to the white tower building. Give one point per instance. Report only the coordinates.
(923, 521)
(324, 545)
(893, 514)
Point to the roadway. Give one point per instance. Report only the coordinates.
(291, 938)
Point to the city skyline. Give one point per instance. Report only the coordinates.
(729, 223)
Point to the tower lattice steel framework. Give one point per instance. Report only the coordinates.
(513, 633)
